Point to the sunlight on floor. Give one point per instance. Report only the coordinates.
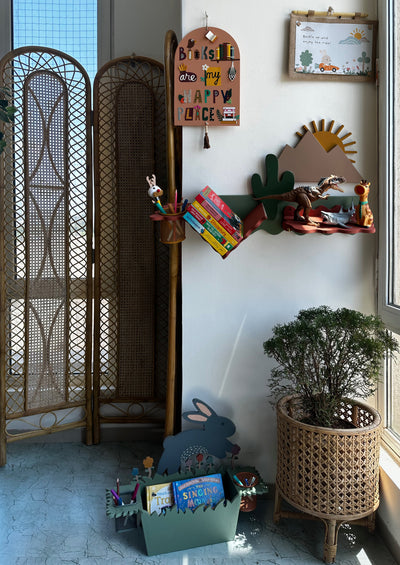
(363, 558)
(240, 545)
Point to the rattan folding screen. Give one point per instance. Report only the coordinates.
(45, 247)
(83, 343)
(131, 304)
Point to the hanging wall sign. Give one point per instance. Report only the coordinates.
(207, 79)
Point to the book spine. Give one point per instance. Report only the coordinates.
(193, 222)
(214, 231)
(214, 243)
(208, 192)
(196, 206)
(211, 209)
(205, 234)
(175, 494)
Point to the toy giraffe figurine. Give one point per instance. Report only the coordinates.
(363, 215)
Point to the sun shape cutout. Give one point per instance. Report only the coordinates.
(329, 139)
(358, 34)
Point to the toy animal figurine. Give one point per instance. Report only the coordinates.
(340, 218)
(305, 195)
(210, 440)
(363, 216)
(154, 191)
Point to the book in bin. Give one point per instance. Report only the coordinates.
(159, 497)
(190, 493)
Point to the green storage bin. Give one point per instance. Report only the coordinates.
(173, 530)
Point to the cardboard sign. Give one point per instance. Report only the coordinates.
(207, 79)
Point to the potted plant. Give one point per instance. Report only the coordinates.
(7, 112)
(328, 440)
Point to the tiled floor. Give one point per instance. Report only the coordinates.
(52, 512)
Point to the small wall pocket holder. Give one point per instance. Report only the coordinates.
(172, 227)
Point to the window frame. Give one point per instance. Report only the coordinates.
(386, 106)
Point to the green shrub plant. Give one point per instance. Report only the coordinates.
(325, 356)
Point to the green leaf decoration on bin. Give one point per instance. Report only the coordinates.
(273, 186)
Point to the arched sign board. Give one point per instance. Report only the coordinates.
(207, 79)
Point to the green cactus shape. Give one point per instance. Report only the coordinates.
(272, 186)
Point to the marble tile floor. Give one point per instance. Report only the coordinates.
(52, 512)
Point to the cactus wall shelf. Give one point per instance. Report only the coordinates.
(243, 205)
(321, 150)
(280, 213)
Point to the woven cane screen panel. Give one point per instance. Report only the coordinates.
(133, 274)
(135, 154)
(46, 219)
(330, 475)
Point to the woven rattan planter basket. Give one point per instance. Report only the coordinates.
(329, 473)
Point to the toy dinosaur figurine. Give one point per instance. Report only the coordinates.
(364, 216)
(305, 195)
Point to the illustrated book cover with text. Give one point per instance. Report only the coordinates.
(190, 493)
(159, 497)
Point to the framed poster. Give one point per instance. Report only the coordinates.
(327, 48)
(207, 79)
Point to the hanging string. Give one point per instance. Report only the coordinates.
(206, 139)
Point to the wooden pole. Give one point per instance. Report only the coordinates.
(175, 249)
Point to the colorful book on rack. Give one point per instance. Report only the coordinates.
(197, 210)
(221, 212)
(214, 229)
(196, 225)
(191, 493)
(159, 497)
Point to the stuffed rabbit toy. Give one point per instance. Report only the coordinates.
(211, 440)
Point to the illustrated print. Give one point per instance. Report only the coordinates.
(334, 48)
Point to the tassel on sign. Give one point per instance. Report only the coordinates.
(206, 140)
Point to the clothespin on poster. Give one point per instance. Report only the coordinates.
(330, 12)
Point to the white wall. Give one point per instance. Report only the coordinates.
(230, 306)
(140, 26)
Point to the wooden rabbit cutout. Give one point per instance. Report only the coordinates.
(210, 440)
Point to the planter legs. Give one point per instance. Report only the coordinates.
(371, 522)
(330, 542)
(331, 526)
(277, 507)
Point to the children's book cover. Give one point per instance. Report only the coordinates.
(159, 497)
(190, 493)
